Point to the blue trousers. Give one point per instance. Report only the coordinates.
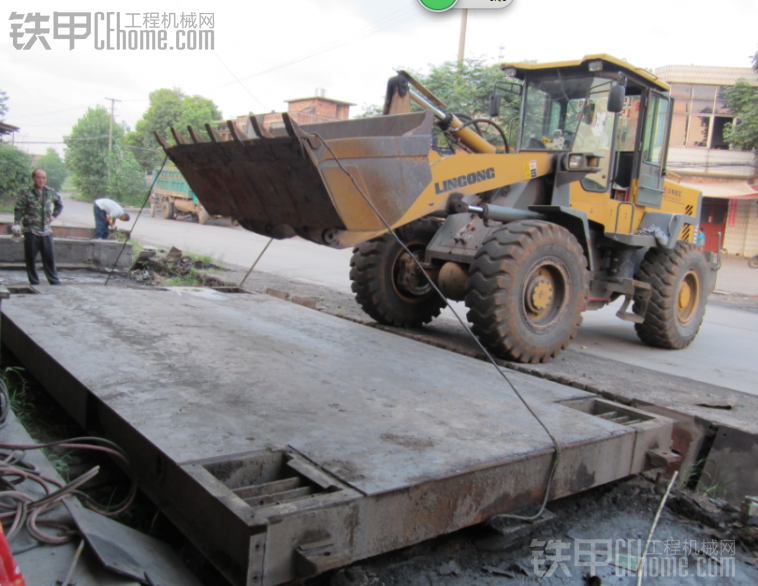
(101, 224)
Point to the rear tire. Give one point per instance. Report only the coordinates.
(753, 262)
(677, 280)
(526, 290)
(380, 281)
(167, 209)
(202, 215)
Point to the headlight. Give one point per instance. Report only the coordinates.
(510, 72)
(595, 65)
(575, 162)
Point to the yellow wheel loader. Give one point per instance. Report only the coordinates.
(571, 213)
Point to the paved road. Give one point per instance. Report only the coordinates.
(723, 353)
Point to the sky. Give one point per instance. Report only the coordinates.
(266, 52)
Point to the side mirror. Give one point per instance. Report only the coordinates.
(494, 105)
(616, 99)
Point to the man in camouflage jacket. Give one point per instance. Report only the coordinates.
(35, 210)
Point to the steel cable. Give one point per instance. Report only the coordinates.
(556, 443)
(139, 213)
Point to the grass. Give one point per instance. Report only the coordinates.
(136, 246)
(207, 259)
(701, 482)
(191, 279)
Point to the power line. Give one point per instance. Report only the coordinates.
(238, 81)
(392, 21)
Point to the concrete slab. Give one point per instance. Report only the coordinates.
(72, 252)
(371, 441)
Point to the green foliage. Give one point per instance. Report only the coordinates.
(15, 172)
(52, 164)
(126, 182)
(168, 108)
(87, 152)
(3, 106)
(742, 99)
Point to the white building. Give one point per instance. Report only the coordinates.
(698, 153)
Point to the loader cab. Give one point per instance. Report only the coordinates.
(573, 107)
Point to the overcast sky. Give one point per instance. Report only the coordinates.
(267, 52)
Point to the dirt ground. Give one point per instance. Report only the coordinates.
(591, 538)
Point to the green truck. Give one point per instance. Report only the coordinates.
(176, 197)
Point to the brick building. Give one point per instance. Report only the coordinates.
(312, 110)
(699, 154)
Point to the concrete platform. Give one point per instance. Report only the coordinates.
(286, 442)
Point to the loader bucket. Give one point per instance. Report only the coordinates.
(299, 180)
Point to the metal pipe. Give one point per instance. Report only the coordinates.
(466, 135)
(503, 214)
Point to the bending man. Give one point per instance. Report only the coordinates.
(35, 210)
(107, 212)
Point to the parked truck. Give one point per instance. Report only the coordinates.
(175, 196)
(575, 213)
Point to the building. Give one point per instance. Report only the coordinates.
(312, 110)
(8, 129)
(699, 154)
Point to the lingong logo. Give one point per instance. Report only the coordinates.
(463, 180)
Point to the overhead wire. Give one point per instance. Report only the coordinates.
(396, 19)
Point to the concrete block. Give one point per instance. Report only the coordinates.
(100, 254)
(305, 301)
(276, 293)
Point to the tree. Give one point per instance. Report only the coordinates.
(87, 151)
(15, 172)
(3, 106)
(168, 108)
(742, 99)
(52, 164)
(126, 182)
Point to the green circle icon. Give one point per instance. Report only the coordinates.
(437, 5)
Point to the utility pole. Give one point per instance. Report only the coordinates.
(110, 131)
(462, 41)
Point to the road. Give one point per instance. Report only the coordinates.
(722, 354)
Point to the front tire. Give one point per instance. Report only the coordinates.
(677, 280)
(526, 290)
(388, 285)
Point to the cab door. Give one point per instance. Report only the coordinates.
(653, 143)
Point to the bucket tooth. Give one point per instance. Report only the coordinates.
(290, 181)
(195, 136)
(289, 125)
(212, 133)
(236, 135)
(163, 142)
(178, 137)
(260, 132)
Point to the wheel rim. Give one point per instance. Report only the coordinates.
(408, 279)
(688, 297)
(544, 294)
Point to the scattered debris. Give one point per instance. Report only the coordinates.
(154, 266)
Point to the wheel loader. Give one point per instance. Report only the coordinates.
(567, 209)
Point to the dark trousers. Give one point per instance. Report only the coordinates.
(101, 224)
(34, 244)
